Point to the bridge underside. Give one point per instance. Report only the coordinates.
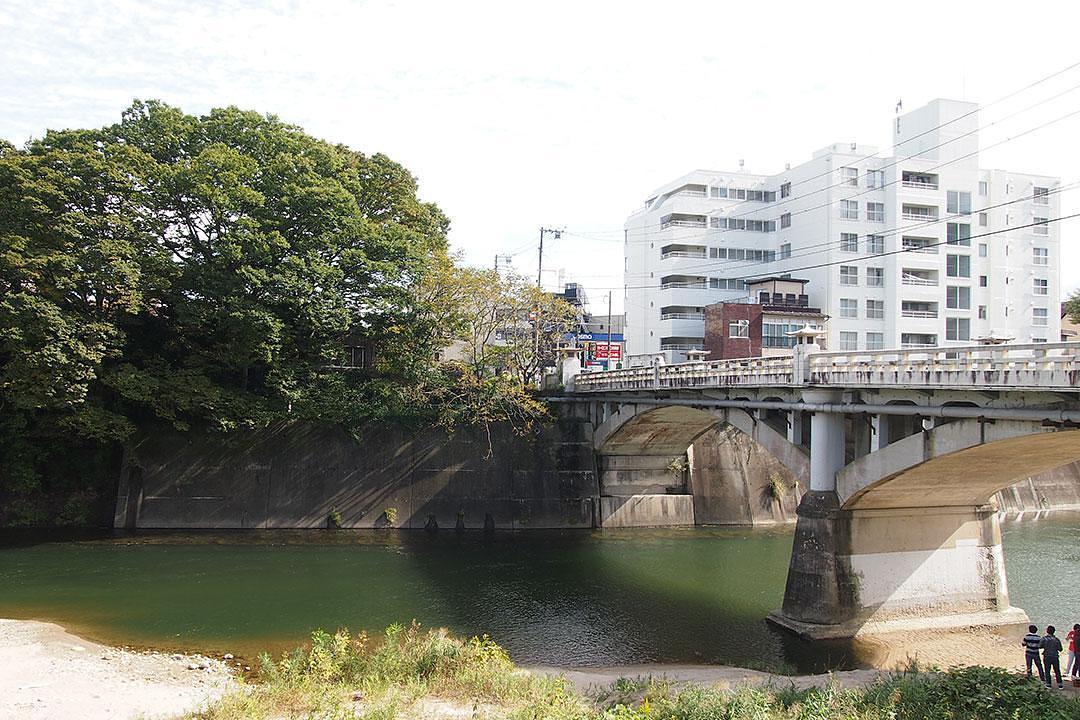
(921, 545)
(904, 535)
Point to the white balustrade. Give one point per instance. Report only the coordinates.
(1039, 366)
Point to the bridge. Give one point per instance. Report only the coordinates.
(900, 452)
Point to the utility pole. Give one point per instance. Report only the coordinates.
(539, 274)
(607, 363)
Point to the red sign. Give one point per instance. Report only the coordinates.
(600, 351)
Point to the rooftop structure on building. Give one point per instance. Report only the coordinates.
(763, 323)
(923, 248)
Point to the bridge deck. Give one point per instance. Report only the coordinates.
(1041, 366)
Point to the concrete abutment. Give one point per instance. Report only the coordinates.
(857, 571)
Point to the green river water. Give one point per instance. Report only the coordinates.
(562, 598)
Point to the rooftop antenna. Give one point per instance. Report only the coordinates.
(899, 109)
(741, 163)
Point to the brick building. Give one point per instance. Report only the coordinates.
(761, 323)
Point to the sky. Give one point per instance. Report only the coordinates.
(518, 116)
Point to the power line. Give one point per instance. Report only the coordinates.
(847, 261)
(646, 232)
(928, 131)
(892, 232)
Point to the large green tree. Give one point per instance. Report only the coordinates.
(199, 271)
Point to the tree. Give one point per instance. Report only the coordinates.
(1072, 306)
(198, 270)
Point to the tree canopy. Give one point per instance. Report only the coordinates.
(203, 271)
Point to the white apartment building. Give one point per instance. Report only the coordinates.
(920, 249)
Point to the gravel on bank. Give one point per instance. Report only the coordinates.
(46, 672)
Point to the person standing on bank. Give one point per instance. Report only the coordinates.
(1051, 648)
(1076, 652)
(1032, 642)
(1070, 666)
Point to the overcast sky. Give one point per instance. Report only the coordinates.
(565, 113)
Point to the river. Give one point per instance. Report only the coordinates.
(571, 598)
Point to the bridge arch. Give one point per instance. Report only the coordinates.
(637, 429)
(963, 463)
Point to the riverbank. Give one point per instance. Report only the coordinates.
(46, 672)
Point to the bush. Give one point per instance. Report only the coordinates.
(408, 662)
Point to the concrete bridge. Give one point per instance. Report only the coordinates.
(901, 452)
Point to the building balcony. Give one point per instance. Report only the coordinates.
(921, 213)
(683, 220)
(920, 245)
(701, 284)
(919, 180)
(682, 316)
(918, 281)
(683, 251)
(919, 313)
(692, 326)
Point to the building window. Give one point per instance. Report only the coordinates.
(958, 266)
(958, 203)
(984, 188)
(983, 281)
(958, 297)
(957, 328)
(958, 234)
(875, 244)
(718, 192)
(785, 190)
(849, 308)
(849, 242)
(1038, 340)
(875, 341)
(849, 176)
(1041, 196)
(785, 251)
(982, 312)
(1039, 317)
(785, 220)
(1041, 226)
(875, 212)
(875, 179)
(984, 220)
(849, 209)
(875, 277)
(875, 309)
(1040, 256)
(849, 341)
(739, 329)
(358, 356)
(849, 275)
(1040, 286)
(982, 249)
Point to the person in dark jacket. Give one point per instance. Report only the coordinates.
(1032, 642)
(1051, 648)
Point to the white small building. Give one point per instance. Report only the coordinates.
(891, 246)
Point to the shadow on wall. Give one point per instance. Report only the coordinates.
(293, 475)
(735, 481)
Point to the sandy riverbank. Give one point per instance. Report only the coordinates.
(46, 672)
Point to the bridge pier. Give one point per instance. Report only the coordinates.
(857, 571)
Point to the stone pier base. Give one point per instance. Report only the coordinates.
(877, 570)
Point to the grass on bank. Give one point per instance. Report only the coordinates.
(410, 672)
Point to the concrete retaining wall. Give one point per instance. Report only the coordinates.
(646, 511)
(731, 478)
(296, 476)
(1054, 490)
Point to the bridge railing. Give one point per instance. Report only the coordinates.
(1037, 366)
(714, 373)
